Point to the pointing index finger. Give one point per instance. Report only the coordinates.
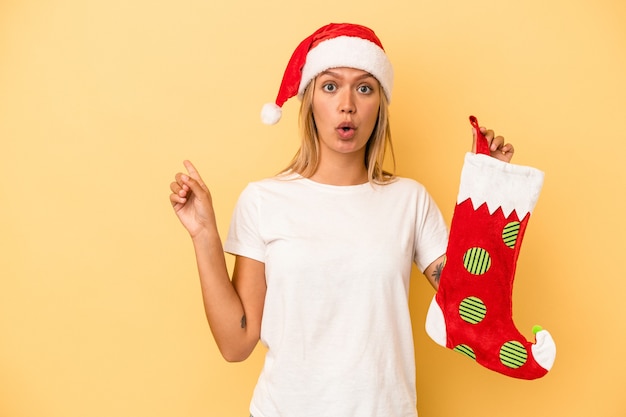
(193, 172)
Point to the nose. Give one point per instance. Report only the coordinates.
(346, 102)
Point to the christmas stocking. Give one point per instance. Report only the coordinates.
(472, 310)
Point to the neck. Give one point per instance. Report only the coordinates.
(341, 172)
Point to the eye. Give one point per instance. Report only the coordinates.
(365, 89)
(329, 87)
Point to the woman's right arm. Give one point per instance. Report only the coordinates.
(233, 308)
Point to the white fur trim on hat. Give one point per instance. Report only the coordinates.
(351, 52)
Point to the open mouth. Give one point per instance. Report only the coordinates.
(346, 130)
(346, 127)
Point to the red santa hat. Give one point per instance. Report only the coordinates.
(331, 46)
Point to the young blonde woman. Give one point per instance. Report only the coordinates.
(324, 250)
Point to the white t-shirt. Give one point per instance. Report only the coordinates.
(336, 319)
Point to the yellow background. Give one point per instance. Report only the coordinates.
(100, 101)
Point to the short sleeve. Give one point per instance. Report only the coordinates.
(431, 238)
(244, 237)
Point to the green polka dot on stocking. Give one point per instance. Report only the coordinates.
(510, 233)
(472, 310)
(477, 261)
(513, 354)
(466, 350)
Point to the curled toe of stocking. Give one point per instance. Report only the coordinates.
(544, 351)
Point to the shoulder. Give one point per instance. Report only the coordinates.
(408, 191)
(405, 184)
(273, 183)
(272, 188)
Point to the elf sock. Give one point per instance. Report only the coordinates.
(472, 310)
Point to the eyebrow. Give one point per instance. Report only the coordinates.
(336, 75)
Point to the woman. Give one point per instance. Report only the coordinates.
(324, 249)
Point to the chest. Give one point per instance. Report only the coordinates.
(346, 237)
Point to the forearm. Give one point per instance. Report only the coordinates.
(433, 271)
(223, 307)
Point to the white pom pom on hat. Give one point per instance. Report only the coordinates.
(331, 46)
(271, 113)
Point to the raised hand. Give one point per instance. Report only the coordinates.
(192, 201)
(497, 147)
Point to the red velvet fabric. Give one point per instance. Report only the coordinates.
(478, 229)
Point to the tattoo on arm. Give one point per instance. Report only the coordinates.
(243, 322)
(437, 272)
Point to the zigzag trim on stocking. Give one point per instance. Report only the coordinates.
(500, 185)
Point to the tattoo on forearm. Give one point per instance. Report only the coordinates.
(243, 322)
(437, 272)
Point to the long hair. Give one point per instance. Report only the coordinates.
(306, 159)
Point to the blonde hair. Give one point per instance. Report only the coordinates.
(306, 159)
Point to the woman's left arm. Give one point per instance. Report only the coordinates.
(433, 271)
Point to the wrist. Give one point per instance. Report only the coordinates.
(203, 235)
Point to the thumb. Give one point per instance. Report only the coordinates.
(474, 135)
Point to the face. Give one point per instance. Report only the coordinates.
(345, 109)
